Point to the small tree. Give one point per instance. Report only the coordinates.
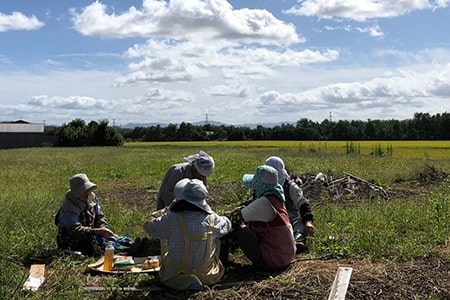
(78, 134)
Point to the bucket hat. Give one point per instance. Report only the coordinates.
(80, 183)
(194, 192)
(264, 182)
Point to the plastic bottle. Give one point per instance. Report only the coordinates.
(109, 257)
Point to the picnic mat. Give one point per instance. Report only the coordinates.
(137, 267)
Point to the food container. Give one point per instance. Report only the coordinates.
(152, 262)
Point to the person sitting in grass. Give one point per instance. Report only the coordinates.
(82, 226)
(262, 228)
(298, 207)
(191, 229)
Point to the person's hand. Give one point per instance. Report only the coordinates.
(104, 232)
(309, 228)
(156, 214)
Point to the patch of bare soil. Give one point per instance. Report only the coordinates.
(312, 279)
(308, 277)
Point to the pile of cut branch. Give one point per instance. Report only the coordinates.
(319, 186)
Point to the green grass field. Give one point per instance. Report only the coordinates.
(34, 181)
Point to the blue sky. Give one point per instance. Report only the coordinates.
(236, 62)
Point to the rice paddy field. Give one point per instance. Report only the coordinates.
(399, 249)
(401, 149)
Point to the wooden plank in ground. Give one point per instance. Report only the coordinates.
(35, 277)
(340, 284)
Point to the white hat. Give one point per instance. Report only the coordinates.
(80, 183)
(192, 191)
(204, 164)
(278, 164)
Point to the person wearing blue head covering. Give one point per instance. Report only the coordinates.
(262, 228)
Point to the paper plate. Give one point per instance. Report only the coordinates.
(138, 266)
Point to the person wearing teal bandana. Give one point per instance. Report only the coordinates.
(262, 228)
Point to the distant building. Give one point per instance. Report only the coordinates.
(21, 134)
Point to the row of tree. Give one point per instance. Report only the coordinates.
(422, 127)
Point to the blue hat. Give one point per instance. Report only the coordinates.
(264, 182)
(264, 176)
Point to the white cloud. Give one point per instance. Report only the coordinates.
(180, 19)
(403, 94)
(4, 60)
(373, 31)
(71, 102)
(361, 10)
(441, 3)
(173, 71)
(227, 90)
(18, 21)
(396, 94)
(427, 58)
(190, 40)
(166, 61)
(163, 95)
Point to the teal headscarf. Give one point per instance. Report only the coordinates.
(264, 182)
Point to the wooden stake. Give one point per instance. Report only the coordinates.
(340, 284)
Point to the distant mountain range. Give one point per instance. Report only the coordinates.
(199, 123)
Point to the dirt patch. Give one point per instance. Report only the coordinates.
(129, 197)
(312, 279)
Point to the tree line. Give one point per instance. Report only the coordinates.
(422, 126)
